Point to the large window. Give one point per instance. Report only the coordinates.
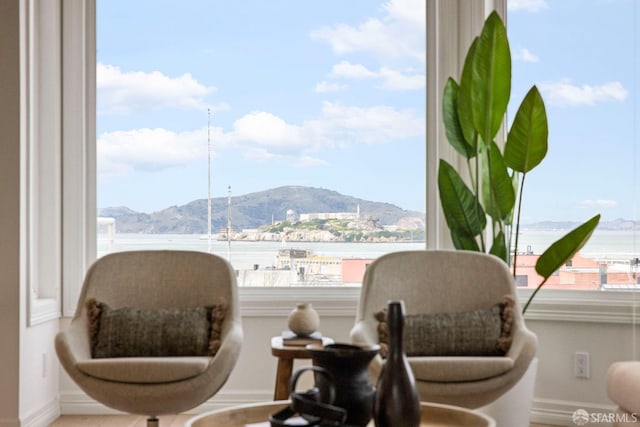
(297, 127)
(582, 55)
(131, 88)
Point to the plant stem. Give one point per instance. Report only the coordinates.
(476, 184)
(515, 248)
(524, 310)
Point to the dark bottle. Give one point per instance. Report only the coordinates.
(396, 402)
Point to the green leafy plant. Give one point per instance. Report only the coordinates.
(473, 111)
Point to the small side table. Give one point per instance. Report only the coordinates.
(286, 354)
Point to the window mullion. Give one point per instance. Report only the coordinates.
(451, 26)
(79, 145)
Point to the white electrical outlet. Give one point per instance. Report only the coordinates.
(581, 364)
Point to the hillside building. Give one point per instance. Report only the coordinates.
(347, 216)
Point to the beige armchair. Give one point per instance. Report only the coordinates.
(152, 280)
(436, 281)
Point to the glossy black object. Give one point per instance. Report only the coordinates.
(348, 366)
(309, 405)
(396, 402)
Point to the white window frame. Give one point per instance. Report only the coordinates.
(79, 146)
(451, 25)
(41, 157)
(58, 152)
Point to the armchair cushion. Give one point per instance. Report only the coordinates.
(484, 332)
(451, 369)
(166, 332)
(145, 370)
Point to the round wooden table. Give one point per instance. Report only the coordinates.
(257, 415)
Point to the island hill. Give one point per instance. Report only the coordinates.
(331, 227)
(292, 213)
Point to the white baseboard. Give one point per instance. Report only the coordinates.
(44, 416)
(560, 412)
(78, 403)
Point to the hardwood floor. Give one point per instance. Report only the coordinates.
(117, 421)
(133, 421)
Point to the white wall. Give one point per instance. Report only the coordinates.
(27, 397)
(558, 392)
(39, 375)
(9, 212)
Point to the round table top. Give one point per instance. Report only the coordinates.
(278, 349)
(257, 415)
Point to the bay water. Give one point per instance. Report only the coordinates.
(604, 244)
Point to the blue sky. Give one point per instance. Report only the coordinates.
(331, 94)
(580, 53)
(324, 93)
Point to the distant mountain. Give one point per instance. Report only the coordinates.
(619, 224)
(256, 209)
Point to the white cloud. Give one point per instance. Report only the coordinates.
(566, 94)
(599, 203)
(397, 81)
(351, 71)
(400, 33)
(527, 5)
(525, 55)
(261, 136)
(324, 86)
(391, 79)
(121, 92)
(338, 125)
(121, 152)
(266, 129)
(407, 11)
(342, 125)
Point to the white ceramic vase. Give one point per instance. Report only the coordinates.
(303, 320)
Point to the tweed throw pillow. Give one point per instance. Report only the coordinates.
(134, 332)
(470, 333)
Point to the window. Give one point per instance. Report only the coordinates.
(588, 81)
(446, 43)
(305, 118)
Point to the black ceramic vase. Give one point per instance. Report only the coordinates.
(396, 402)
(348, 366)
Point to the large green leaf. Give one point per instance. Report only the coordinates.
(499, 247)
(452, 126)
(464, 242)
(498, 196)
(462, 210)
(491, 78)
(563, 249)
(465, 110)
(515, 181)
(526, 144)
